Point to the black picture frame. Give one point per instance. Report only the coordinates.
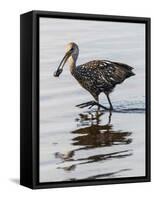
(29, 98)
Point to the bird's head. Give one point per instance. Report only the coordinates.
(71, 54)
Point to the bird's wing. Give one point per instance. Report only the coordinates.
(104, 73)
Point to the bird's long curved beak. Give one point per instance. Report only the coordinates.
(61, 65)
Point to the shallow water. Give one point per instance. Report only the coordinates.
(85, 143)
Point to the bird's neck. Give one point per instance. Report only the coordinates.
(72, 64)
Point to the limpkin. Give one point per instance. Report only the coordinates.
(95, 76)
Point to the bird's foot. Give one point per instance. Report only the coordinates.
(83, 105)
(101, 106)
(90, 104)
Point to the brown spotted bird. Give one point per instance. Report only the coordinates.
(95, 76)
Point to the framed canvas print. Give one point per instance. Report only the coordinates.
(85, 99)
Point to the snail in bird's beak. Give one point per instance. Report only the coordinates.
(62, 63)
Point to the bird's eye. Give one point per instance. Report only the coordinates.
(71, 49)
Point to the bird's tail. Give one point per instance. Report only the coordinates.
(130, 73)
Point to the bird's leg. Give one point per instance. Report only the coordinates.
(110, 116)
(98, 104)
(97, 99)
(108, 98)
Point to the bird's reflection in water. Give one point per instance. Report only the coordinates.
(92, 134)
